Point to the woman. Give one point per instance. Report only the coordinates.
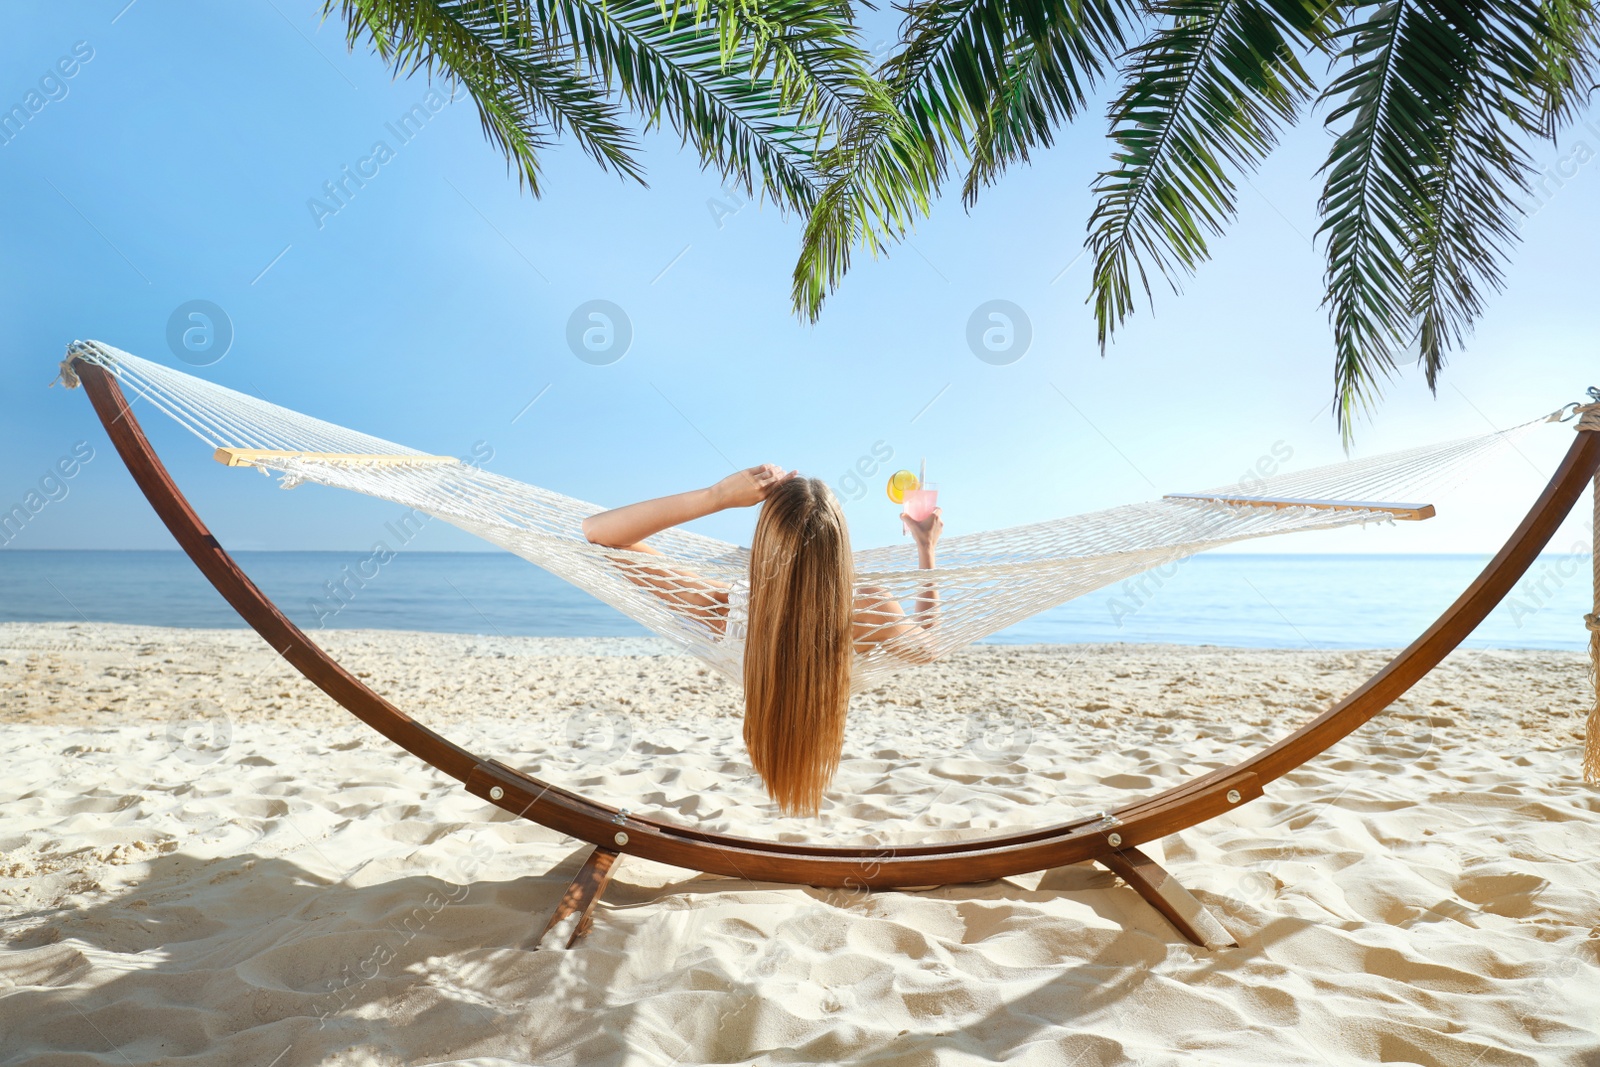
(805, 619)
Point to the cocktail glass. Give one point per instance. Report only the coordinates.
(919, 503)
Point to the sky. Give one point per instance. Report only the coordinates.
(186, 159)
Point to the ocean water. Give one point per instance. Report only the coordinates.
(1251, 601)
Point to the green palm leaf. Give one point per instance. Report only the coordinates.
(874, 182)
(1204, 98)
(753, 93)
(1020, 118)
(1470, 216)
(1419, 211)
(977, 79)
(1570, 63)
(523, 87)
(1373, 191)
(753, 88)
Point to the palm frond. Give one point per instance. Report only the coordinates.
(753, 95)
(875, 181)
(1204, 98)
(1498, 95)
(524, 90)
(1418, 204)
(1570, 62)
(754, 86)
(1018, 119)
(1373, 190)
(961, 57)
(958, 61)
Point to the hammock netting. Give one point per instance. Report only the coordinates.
(985, 581)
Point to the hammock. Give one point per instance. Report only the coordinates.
(986, 581)
(535, 519)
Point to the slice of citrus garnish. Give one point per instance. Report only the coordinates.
(901, 483)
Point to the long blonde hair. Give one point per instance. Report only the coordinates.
(798, 643)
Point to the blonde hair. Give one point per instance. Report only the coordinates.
(798, 643)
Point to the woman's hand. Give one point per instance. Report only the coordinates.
(747, 488)
(926, 533)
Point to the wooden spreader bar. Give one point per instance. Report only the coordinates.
(1404, 512)
(1111, 839)
(247, 457)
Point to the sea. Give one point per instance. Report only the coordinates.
(1247, 601)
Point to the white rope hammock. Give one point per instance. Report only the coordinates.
(986, 581)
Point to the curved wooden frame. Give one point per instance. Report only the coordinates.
(1110, 839)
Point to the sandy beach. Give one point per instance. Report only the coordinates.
(204, 861)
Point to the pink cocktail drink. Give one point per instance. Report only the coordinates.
(919, 503)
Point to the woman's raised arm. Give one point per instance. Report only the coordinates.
(627, 527)
(882, 620)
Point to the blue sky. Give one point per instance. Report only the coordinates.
(181, 161)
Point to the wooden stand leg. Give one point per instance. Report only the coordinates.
(584, 893)
(1150, 880)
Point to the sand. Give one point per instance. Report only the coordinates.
(202, 860)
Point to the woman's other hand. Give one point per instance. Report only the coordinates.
(746, 488)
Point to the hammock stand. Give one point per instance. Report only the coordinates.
(1111, 840)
